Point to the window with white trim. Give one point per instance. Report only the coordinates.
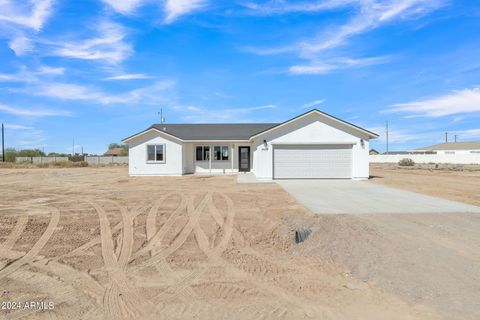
(156, 153)
(203, 153)
(220, 153)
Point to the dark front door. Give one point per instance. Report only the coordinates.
(244, 159)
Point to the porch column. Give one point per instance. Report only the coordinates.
(210, 159)
(233, 148)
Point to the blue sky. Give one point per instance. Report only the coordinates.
(100, 70)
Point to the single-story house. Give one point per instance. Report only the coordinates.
(373, 152)
(310, 146)
(472, 147)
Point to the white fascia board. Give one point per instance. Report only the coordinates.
(314, 143)
(213, 141)
(370, 134)
(149, 130)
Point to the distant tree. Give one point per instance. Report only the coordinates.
(10, 154)
(114, 145)
(118, 145)
(30, 153)
(56, 154)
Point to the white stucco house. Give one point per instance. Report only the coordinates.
(313, 145)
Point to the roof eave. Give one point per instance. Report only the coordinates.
(147, 130)
(371, 135)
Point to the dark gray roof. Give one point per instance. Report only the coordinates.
(472, 145)
(231, 131)
(219, 131)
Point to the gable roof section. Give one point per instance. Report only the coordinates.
(473, 145)
(365, 131)
(216, 131)
(232, 131)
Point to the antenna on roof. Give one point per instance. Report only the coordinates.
(162, 119)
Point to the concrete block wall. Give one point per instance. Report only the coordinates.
(106, 160)
(39, 160)
(427, 158)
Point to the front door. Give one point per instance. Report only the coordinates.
(244, 159)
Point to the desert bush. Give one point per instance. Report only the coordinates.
(406, 162)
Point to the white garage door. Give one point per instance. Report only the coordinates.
(312, 161)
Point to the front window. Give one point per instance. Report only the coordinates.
(220, 153)
(217, 153)
(156, 153)
(203, 153)
(224, 152)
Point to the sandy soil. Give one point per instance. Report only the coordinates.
(101, 245)
(452, 184)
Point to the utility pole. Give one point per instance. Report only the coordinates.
(3, 143)
(455, 138)
(73, 147)
(387, 135)
(446, 137)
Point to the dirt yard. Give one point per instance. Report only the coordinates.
(449, 183)
(97, 244)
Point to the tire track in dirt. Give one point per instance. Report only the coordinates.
(97, 240)
(182, 288)
(155, 238)
(163, 267)
(212, 252)
(80, 280)
(236, 235)
(16, 232)
(121, 299)
(30, 255)
(60, 293)
(180, 238)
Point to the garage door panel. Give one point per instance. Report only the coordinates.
(312, 162)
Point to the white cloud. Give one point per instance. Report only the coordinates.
(11, 126)
(51, 70)
(31, 14)
(21, 45)
(314, 103)
(394, 135)
(33, 112)
(129, 76)
(125, 7)
(25, 75)
(173, 9)
(334, 64)
(206, 115)
(371, 15)
(67, 91)
(462, 101)
(312, 69)
(367, 15)
(277, 7)
(177, 8)
(108, 46)
(469, 134)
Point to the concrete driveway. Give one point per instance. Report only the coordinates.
(356, 197)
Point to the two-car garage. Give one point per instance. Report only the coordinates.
(312, 161)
